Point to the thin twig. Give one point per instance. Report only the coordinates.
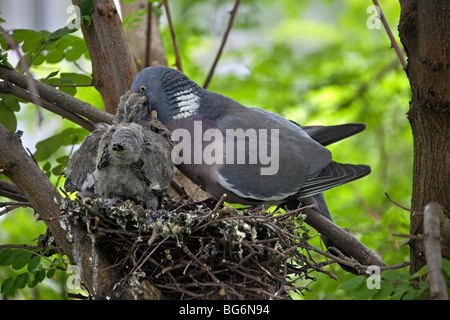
(148, 36)
(31, 82)
(222, 45)
(220, 203)
(172, 35)
(187, 201)
(394, 43)
(400, 206)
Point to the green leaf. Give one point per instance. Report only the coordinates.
(352, 284)
(34, 262)
(7, 285)
(385, 291)
(4, 61)
(51, 273)
(364, 293)
(52, 74)
(32, 280)
(21, 281)
(86, 7)
(58, 34)
(47, 166)
(391, 275)
(7, 256)
(49, 146)
(21, 260)
(7, 117)
(40, 275)
(11, 102)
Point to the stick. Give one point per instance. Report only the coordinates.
(342, 239)
(148, 36)
(172, 35)
(432, 218)
(394, 43)
(222, 45)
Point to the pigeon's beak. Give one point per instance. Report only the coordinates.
(117, 147)
(149, 109)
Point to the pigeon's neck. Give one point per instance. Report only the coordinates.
(184, 98)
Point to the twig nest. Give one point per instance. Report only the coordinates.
(190, 251)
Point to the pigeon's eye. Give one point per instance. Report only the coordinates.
(142, 88)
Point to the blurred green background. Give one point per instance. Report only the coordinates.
(313, 62)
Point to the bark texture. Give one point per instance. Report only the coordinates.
(113, 67)
(425, 33)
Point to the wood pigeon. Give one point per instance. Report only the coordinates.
(252, 155)
(130, 159)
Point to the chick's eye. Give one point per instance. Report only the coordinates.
(142, 88)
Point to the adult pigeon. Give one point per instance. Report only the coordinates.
(130, 159)
(252, 155)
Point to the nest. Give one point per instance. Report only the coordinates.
(191, 251)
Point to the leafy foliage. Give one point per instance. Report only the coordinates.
(31, 267)
(395, 285)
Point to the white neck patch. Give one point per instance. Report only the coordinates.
(188, 103)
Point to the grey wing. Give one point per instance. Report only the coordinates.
(294, 156)
(157, 166)
(79, 172)
(103, 148)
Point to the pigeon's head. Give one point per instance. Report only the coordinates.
(173, 95)
(132, 108)
(126, 143)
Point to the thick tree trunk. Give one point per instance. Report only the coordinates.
(425, 33)
(113, 67)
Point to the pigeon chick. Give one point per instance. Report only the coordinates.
(133, 163)
(80, 170)
(125, 160)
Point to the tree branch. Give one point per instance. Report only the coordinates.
(172, 35)
(432, 218)
(342, 239)
(113, 66)
(8, 88)
(57, 97)
(222, 45)
(394, 43)
(10, 191)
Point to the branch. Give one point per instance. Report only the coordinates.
(8, 88)
(148, 36)
(342, 239)
(432, 218)
(222, 45)
(113, 66)
(57, 97)
(172, 35)
(9, 190)
(394, 43)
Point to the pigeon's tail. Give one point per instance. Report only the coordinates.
(326, 135)
(335, 174)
